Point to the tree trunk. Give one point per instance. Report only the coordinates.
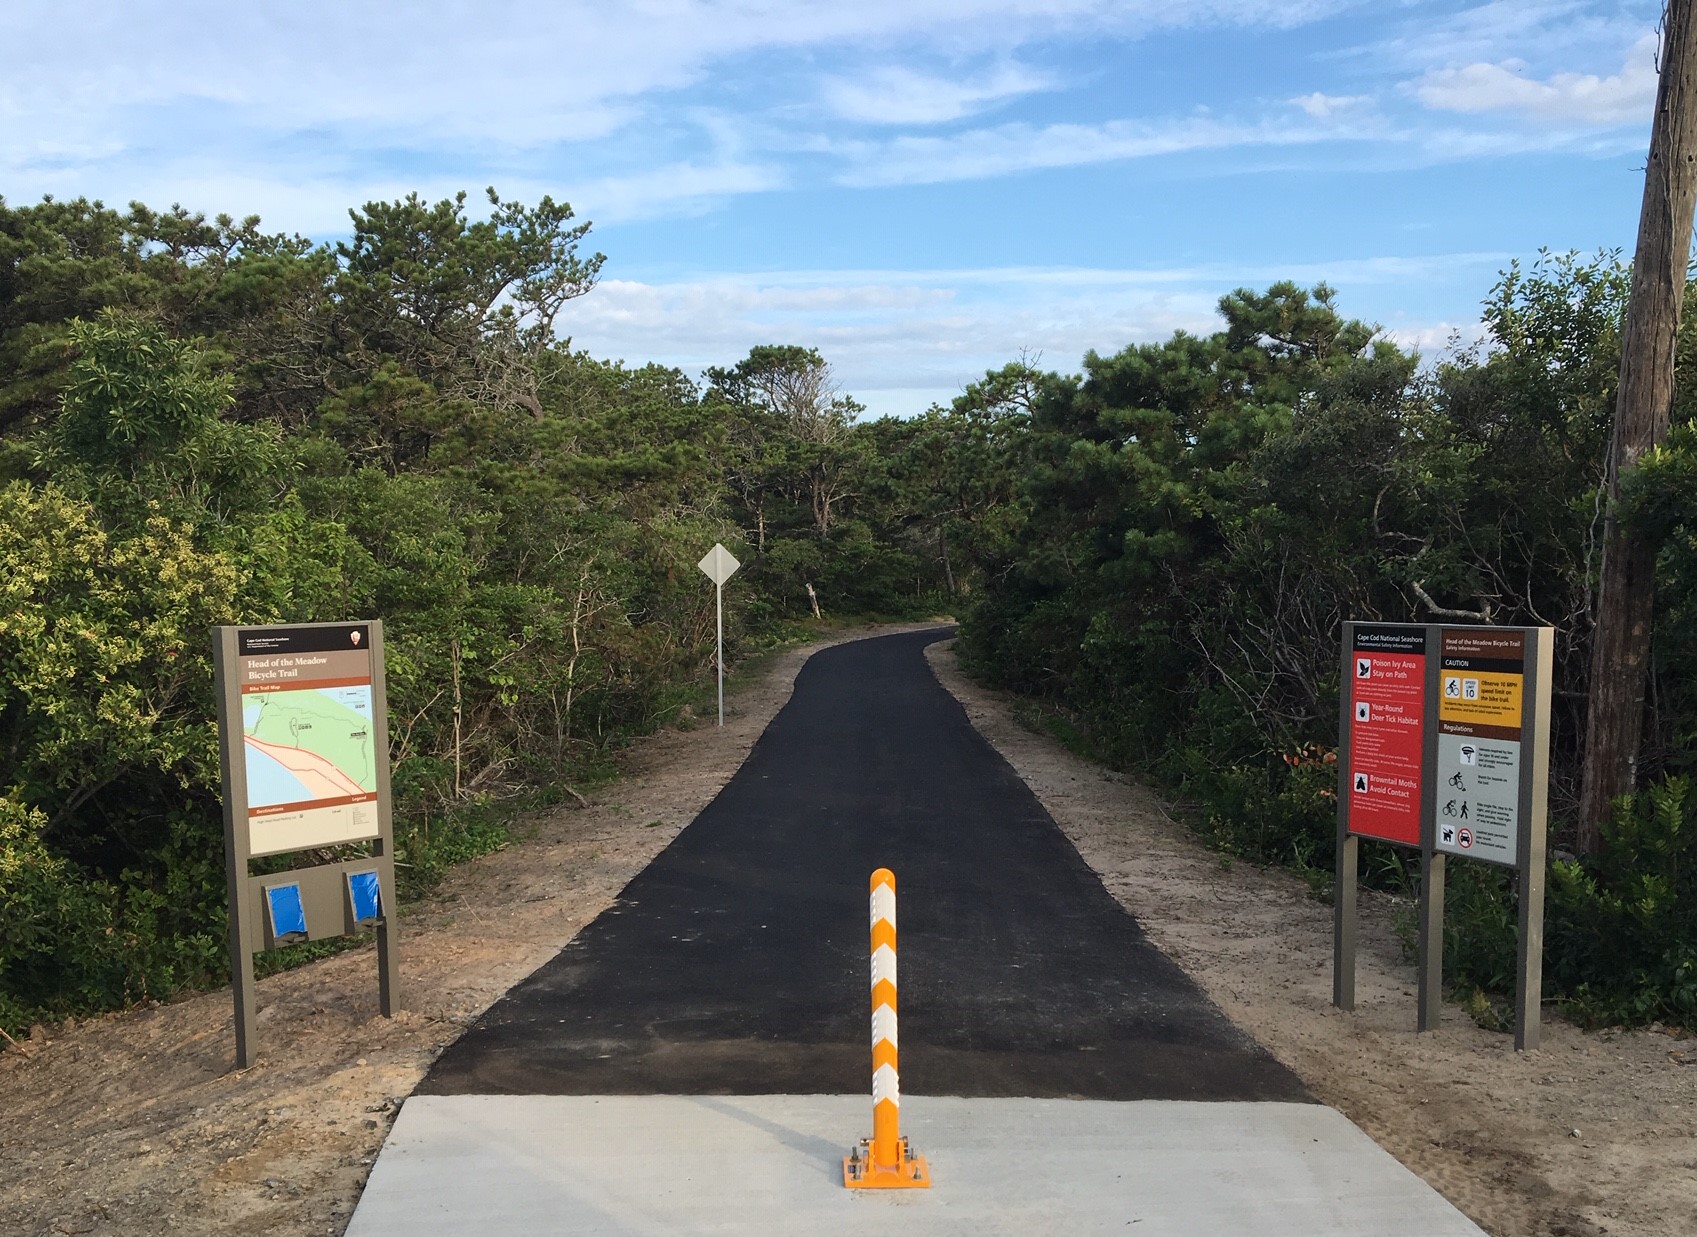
(1620, 646)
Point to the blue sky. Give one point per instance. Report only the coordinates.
(922, 189)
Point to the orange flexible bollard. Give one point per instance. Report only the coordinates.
(884, 1161)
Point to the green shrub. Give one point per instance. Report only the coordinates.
(1621, 939)
(71, 944)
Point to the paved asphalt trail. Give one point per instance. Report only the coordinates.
(736, 962)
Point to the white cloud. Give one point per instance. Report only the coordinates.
(893, 95)
(1013, 148)
(671, 189)
(900, 340)
(1325, 106)
(334, 98)
(1583, 98)
(509, 73)
(1543, 31)
(1435, 340)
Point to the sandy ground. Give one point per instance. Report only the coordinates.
(1590, 1134)
(136, 1123)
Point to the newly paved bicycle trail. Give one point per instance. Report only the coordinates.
(736, 962)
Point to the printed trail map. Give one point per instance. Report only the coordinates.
(308, 746)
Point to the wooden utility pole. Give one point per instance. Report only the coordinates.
(1620, 648)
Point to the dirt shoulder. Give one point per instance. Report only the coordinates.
(137, 1124)
(1591, 1134)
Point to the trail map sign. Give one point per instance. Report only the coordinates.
(1444, 745)
(309, 736)
(303, 730)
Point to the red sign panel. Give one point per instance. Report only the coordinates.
(1387, 710)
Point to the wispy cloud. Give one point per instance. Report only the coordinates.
(1012, 148)
(893, 95)
(1539, 31)
(1323, 106)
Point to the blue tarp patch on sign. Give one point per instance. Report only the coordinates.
(288, 916)
(367, 896)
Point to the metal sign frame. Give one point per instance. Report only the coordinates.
(332, 899)
(1526, 669)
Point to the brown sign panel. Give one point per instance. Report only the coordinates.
(309, 759)
(1481, 709)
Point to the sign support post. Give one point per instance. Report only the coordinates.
(718, 566)
(1386, 674)
(1431, 986)
(1348, 865)
(1535, 809)
(1343, 920)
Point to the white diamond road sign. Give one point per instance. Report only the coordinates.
(719, 564)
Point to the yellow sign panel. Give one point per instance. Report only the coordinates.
(1481, 697)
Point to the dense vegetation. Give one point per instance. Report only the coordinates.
(204, 423)
(1205, 512)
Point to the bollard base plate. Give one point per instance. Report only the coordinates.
(909, 1172)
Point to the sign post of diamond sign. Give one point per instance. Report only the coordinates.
(303, 730)
(719, 565)
(1444, 745)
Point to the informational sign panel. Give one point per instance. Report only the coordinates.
(1387, 718)
(1481, 698)
(1444, 744)
(303, 731)
(309, 736)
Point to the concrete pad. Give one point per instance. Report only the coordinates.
(667, 1165)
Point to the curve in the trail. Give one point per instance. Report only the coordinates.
(736, 962)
